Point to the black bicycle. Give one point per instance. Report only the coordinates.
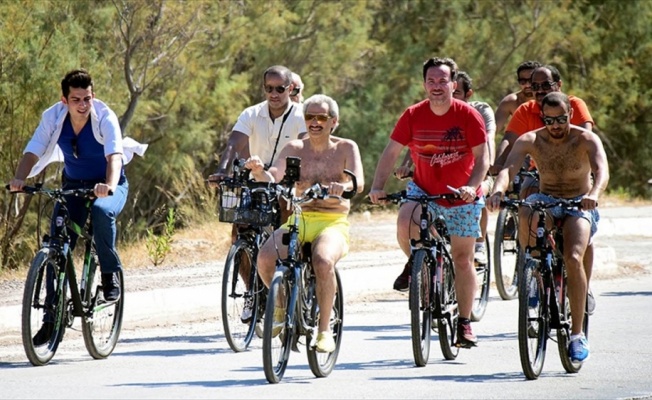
(253, 207)
(508, 256)
(52, 294)
(543, 300)
(293, 293)
(432, 282)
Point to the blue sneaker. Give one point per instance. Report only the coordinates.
(533, 296)
(578, 350)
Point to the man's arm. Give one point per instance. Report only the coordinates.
(384, 168)
(238, 144)
(505, 108)
(481, 156)
(600, 169)
(503, 151)
(512, 165)
(354, 164)
(25, 165)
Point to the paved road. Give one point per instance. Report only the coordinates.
(172, 345)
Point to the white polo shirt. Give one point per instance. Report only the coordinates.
(256, 123)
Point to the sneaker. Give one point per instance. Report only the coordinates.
(402, 283)
(44, 334)
(465, 336)
(578, 349)
(279, 321)
(325, 342)
(480, 256)
(247, 310)
(110, 287)
(590, 303)
(533, 296)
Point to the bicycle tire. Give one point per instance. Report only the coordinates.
(533, 323)
(563, 334)
(101, 326)
(447, 324)
(420, 307)
(34, 305)
(277, 345)
(508, 256)
(483, 278)
(234, 291)
(322, 364)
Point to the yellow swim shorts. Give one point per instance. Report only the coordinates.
(314, 223)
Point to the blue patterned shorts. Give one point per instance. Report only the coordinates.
(593, 216)
(463, 221)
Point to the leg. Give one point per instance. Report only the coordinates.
(576, 238)
(267, 255)
(104, 213)
(329, 247)
(465, 277)
(406, 229)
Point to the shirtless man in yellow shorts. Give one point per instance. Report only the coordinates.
(325, 223)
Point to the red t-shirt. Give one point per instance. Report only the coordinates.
(527, 116)
(441, 146)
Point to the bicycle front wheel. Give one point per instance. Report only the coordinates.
(278, 328)
(44, 307)
(507, 254)
(321, 364)
(236, 292)
(447, 323)
(101, 324)
(532, 321)
(483, 279)
(420, 310)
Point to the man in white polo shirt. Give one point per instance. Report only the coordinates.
(263, 129)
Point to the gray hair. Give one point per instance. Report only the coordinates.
(333, 108)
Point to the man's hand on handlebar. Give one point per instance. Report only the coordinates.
(589, 202)
(255, 164)
(403, 172)
(16, 185)
(376, 194)
(493, 202)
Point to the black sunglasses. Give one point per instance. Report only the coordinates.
(562, 119)
(279, 89)
(523, 81)
(295, 91)
(73, 142)
(543, 85)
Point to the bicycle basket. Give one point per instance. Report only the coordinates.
(245, 205)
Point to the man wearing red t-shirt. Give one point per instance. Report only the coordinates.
(447, 141)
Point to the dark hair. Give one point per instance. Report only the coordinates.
(555, 99)
(436, 62)
(77, 78)
(554, 72)
(279, 70)
(467, 82)
(531, 64)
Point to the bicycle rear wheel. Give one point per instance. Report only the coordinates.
(507, 254)
(447, 323)
(420, 310)
(483, 279)
(532, 321)
(277, 335)
(43, 311)
(102, 324)
(563, 333)
(321, 364)
(235, 293)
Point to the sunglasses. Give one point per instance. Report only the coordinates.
(319, 117)
(562, 119)
(75, 152)
(542, 86)
(295, 91)
(523, 81)
(279, 89)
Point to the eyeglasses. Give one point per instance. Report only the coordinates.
(523, 81)
(73, 142)
(319, 117)
(295, 91)
(562, 119)
(543, 85)
(279, 89)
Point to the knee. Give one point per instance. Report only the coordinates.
(324, 269)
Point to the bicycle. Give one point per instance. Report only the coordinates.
(432, 294)
(52, 291)
(254, 208)
(546, 305)
(293, 289)
(508, 256)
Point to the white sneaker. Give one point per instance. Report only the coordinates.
(247, 310)
(480, 256)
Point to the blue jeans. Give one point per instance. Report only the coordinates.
(104, 212)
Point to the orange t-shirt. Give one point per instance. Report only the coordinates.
(527, 116)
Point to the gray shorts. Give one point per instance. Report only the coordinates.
(593, 216)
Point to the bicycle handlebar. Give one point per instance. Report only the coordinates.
(540, 205)
(57, 193)
(402, 195)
